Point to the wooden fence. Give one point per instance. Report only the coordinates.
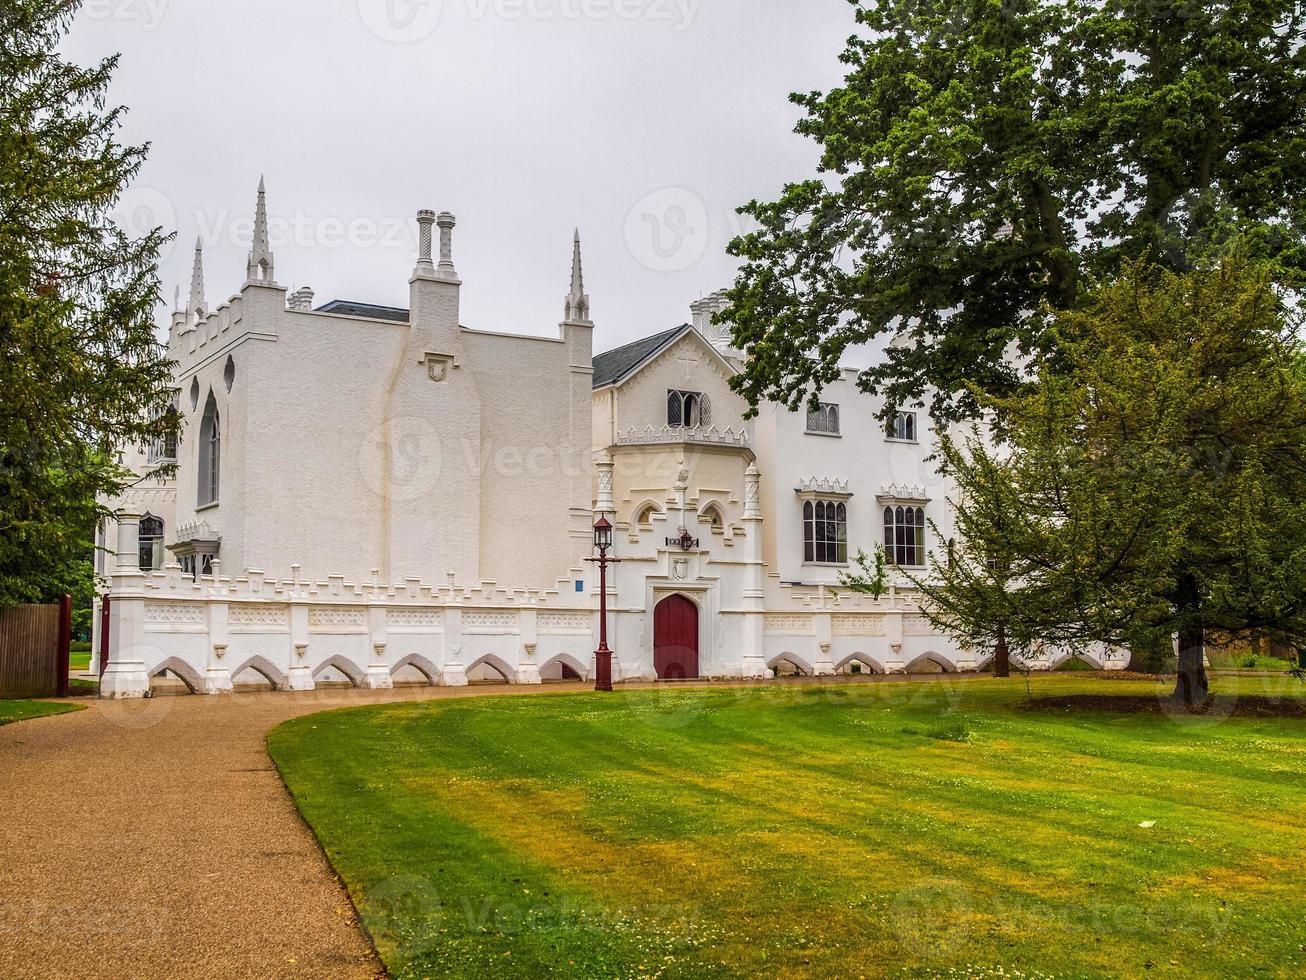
(34, 646)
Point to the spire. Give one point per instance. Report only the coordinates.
(578, 304)
(197, 305)
(260, 267)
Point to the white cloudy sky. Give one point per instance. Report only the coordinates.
(645, 122)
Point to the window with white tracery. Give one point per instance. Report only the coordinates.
(150, 538)
(904, 535)
(902, 426)
(823, 420)
(689, 409)
(825, 531)
(210, 467)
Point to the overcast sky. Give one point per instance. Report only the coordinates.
(645, 122)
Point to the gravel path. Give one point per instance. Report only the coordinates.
(155, 839)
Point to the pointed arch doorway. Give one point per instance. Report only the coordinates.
(675, 638)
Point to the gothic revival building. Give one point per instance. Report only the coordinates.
(368, 493)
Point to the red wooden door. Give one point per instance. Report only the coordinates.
(675, 638)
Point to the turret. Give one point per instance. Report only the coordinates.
(198, 305)
(576, 309)
(261, 266)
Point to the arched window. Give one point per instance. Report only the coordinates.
(150, 541)
(210, 454)
(645, 515)
(688, 408)
(904, 535)
(825, 532)
(164, 448)
(823, 420)
(902, 427)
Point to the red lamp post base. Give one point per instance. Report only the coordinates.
(603, 670)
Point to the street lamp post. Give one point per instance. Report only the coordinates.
(603, 656)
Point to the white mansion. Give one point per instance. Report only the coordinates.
(381, 493)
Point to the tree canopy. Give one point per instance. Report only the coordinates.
(81, 371)
(983, 160)
(1152, 485)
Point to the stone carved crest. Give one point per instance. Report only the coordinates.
(438, 366)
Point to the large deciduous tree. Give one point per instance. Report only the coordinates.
(985, 158)
(81, 371)
(1152, 485)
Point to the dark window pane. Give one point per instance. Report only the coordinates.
(675, 408)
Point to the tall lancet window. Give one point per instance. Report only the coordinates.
(151, 543)
(904, 536)
(210, 453)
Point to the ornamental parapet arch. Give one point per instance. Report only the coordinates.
(208, 629)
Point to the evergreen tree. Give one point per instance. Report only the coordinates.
(81, 371)
(1150, 485)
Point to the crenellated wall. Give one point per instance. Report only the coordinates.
(208, 631)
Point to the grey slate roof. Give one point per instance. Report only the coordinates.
(344, 307)
(612, 366)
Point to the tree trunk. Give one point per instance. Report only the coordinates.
(1191, 685)
(1002, 656)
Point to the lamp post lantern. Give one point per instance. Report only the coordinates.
(603, 656)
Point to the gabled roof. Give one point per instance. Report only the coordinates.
(616, 365)
(345, 307)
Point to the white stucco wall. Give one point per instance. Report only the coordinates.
(344, 450)
(861, 456)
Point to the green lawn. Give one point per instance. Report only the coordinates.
(79, 656)
(921, 829)
(11, 711)
(1249, 661)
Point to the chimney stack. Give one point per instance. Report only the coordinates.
(425, 265)
(717, 334)
(301, 299)
(446, 222)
